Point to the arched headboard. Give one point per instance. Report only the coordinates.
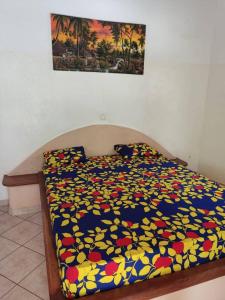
(96, 139)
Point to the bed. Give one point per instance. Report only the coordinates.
(185, 270)
(115, 222)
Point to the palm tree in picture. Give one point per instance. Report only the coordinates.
(141, 40)
(115, 31)
(104, 49)
(128, 31)
(84, 37)
(93, 39)
(61, 25)
(79, 27)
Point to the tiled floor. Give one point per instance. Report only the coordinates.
(22, 262)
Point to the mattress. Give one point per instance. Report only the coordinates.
(117, 222)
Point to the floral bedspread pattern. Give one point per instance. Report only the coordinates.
(118, 221)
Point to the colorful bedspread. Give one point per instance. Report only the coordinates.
(119, 221)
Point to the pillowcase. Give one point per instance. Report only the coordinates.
(66, 156)
(136, 150)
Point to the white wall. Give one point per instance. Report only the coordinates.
(212, 158)
(166, 103)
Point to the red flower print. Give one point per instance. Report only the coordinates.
(94, 179)
(210, 225)
(166, 234)
(121, 178)
(176, 186)
(119, 189)
(111, 268)
(114, 194)
(82, 214)
(65, 255)
(192, 235)
(72, 274)
(99, 200)
(123, 242)
(50, 199)
(67, 241)
(129, 223)
(163, 262)
(164, 176)
(199, 187)
(173, 196)
(178, 247)
(94, 256)
(60, 185)
(105, 206)
(160, 223)
(53, 169)
(176, 182)
(207, 245)
(138, 195)
(61, 155)
(172, 172)
(158, 185)
(141, 182)
(156, 202)
(80, 190)
(66, 205)
(96, 193)
(149, 174)
(147, 154)
(109, 182)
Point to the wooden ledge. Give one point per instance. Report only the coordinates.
(17, 180)
(180, 161)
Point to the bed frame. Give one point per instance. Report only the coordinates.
(145, 290)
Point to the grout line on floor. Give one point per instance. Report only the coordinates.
(18, 283)
(5, 294)
(21, 246)
(20, 287)
(10, 253)
(27, 219)
(12, 226)
(10, 289)
(28, 276)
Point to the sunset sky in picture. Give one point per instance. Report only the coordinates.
(102, 32)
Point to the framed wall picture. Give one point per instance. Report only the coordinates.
(81, 44)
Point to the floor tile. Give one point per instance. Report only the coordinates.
(4, 208)
(37, 244)
(5, 285)
(23, 232)
(6, 247)
(20, 263)
(26, 216)
(7, 222)
(37, 218)
(37, 282)
(19, 293)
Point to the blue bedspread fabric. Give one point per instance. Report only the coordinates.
(118, 221)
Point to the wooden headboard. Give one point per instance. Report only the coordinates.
(96, 139)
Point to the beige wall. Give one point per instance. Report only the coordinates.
(212, 153)
(38, 104)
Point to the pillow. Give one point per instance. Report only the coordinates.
(136, 150)
(66, 156)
